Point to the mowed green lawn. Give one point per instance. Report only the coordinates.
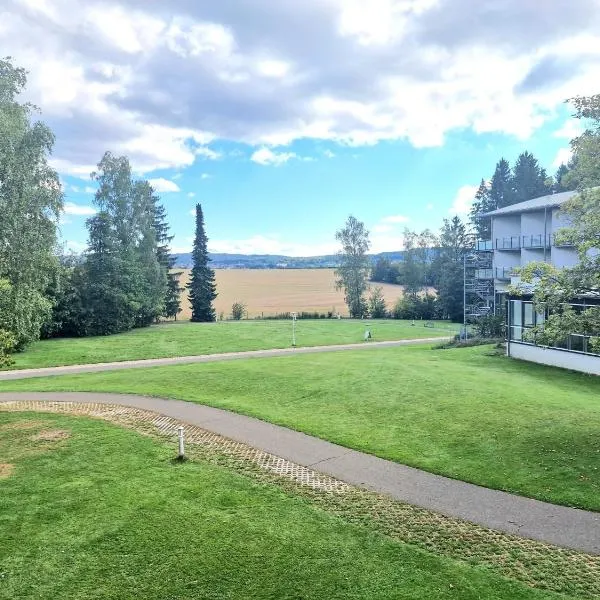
(189, 339)
(106, 514)
(464, 413)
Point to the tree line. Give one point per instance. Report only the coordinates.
(525, 180)
(429, 261)
(124, 279)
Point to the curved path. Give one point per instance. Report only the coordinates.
(559, 525)
(203, 358)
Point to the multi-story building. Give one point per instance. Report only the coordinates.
(521, 234)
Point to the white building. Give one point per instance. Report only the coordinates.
(521, 234)
(525, 233)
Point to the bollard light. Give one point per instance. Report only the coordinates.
(181, 443)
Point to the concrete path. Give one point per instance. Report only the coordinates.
(203, 358)
(533, 519)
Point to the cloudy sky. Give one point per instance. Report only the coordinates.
(283, 117)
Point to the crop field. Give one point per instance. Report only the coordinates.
(270, 291)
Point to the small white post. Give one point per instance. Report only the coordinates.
(294, 315)
(181, 443)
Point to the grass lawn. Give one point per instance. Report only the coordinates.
(463, 413)
(188, 339)
(104, 513)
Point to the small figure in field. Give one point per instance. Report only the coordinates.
(368, 335)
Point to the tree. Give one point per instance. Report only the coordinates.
(529, 179)
(555, 289)
(416, 269)
(172, 304)
(353, 272)
(237, 310)
(376, 304)
(122, 283)
(501, 187)
(202, 288)
(561, 180)
(454, 242)
(385, 271)
(482, 204)
(31, 201)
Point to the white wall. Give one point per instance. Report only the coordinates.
(532, 223)
(506, 226)
(564, 257)
(584, 363)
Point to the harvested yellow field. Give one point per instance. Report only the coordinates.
(271, 291)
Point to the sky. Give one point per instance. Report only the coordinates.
(284, 117)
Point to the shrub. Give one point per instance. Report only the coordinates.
(376, 304)
(490, 327)
(237, 310)
(7, 346)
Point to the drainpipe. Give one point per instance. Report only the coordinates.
(545, 230)
(508, 329)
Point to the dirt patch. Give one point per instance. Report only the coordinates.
(50, 435)
(6, 470)
(18, 425)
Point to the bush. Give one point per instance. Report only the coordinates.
(376, 304)
(416, 307)
(490, 327)
(456, 342)
(7, 346)
(237, 310)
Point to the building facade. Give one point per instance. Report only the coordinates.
(521, 234)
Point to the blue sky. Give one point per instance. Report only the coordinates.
(284, 119)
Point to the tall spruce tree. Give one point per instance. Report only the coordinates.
(501, 188)
(202, 288)
(31, 201)
(172, 304)
(529, 179)
(482, 204)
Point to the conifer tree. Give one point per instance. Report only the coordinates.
(202, 288)
(501, 188)
(172, 303)
(482, 204)
(529, 179)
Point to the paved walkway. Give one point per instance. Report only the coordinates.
(204, 358)
(533, 519)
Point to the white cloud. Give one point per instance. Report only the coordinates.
(429, 206)
(205, 176)
(191, 194)
(328, 154)
(74, 246)
(563, 156)
(161, 82)
(89, 190)
(463, 200)
(395, 219)
(160, 184)
(273, 68)
(193, 212)
(264, 156)
(382, 228)
(261, 244)
(77, 209)
(570, 129)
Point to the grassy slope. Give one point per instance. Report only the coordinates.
(107, 515)
(188, 339)
(466, 414)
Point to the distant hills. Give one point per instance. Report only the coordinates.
(275, 261)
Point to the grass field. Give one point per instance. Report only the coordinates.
(466, 413)
(189, 339)
(101, 512)
(272, 291)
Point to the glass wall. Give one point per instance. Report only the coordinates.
(524, 316)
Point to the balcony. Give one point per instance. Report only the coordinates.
(484, 246)
(564, 243)
(509, 243)
(505, 273)
(534, 242)
(484, 274)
